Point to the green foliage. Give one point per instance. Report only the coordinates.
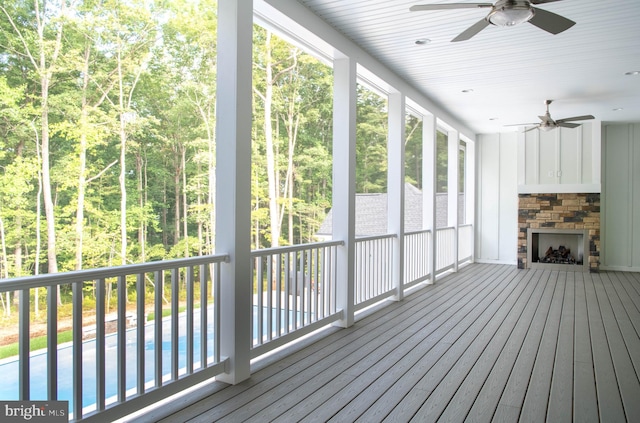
(371, 142)
(143, 74)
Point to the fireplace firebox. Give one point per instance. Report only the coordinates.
(558, 249)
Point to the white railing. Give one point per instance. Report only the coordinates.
(416, 257)
(294, 292)
(465, 243)
(121, 361)
(373, 269)
(445, 249)
(118, 357)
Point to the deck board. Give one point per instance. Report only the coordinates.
(534, 408)
(489, 343)
(628, 382)
(561, 391)
(609, 400)
(585, 400)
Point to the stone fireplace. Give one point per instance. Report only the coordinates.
(569, 219)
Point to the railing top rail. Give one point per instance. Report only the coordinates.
(465, 225)
(375, 237)
(446, 228)
(423, 231)
(294, 248)
(50, 279)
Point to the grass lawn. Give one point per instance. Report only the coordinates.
(37, 343)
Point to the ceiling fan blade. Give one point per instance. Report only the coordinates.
(531, 129)
(522, 124)
(472, 30)
(568, 125)
(585, 117)
(550, 22)
(542, 1)
(421, 7)
(545, 118)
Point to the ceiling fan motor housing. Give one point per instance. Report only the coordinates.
(510, 12)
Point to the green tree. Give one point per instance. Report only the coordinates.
(371, 142)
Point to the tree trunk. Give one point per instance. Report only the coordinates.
(82, 179)
(142, 227)
(176, 200)
(5, 267)
(274, 217)
(184, 200)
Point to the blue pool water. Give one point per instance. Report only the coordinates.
(38, 364)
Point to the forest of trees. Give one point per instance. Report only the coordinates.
(107, 135)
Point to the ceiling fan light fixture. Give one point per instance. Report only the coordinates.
(510, 13)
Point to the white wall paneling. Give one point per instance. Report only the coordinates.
(620, 230)
(497, 198)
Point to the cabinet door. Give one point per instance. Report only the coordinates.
(570, 155)
(548, 157)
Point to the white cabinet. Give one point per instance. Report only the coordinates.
(560, 160)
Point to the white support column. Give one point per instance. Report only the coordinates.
(453, 189)
(395, 186)
(470, 192)
(429, 170)
(344, 182)
(233, 192)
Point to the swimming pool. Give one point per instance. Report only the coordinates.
(38, 360)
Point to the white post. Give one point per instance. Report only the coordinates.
(233, 192)
(470, 192)
(453, 190)
(344, 182)
(429, 187)
(395, 187)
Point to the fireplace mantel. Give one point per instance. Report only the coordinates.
(559, 188)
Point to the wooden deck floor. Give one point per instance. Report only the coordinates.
(490, 343)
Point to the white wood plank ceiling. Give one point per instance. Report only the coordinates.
(511, 71)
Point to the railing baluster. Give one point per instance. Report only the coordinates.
(141, 318)
(295, 295)
(216, 309)
(269, 291)
(52, 344)
(122, 338)
(100, 344)
(287, 292)
(259, 279)
(279, 297)
(306, 280)
(24, 342)
(189, 317)
(204, 312)
(76, 289)
(175, 334)
(159, 284)
(316, 282)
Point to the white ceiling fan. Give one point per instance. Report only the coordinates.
(547, 123)
(506, 13)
